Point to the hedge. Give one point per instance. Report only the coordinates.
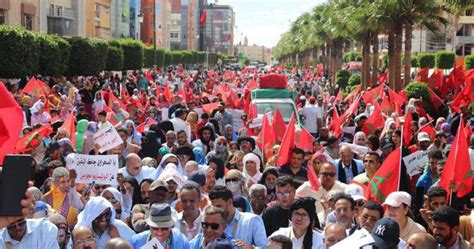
(132, 53)
(168, 58)
(469, 62)
(88, 56)
(212, 59)
(19, 52)
(342, 78)
(355, 79)
(417, 90)
(53, 54)
(114, 59)
(353, 56)
(426, 60)
(445, 59)
(178, 57)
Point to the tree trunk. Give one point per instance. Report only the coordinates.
(365, 75)
(336, 54)
(398, 60)
(375, 58)
(391, 57)
(407, 63)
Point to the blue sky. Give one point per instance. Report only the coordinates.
(263, 21)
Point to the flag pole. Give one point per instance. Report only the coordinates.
(401, 155)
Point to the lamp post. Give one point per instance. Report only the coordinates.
(140, 19)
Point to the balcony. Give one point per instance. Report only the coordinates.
(56, 11)
(466, 20)
(460, 40)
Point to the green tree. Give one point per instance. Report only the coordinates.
(133, 52)
(114, 59)
(19, 52)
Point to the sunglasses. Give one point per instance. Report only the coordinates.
(18, 224)
(232, 180)
(214, 226)
(326, 174)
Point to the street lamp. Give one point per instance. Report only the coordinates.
(140, 19)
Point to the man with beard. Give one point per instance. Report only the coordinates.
(99, 215)
(246, 228)
(206, 139)
(446, 228)
(223, 117)
(213, 227)
(157, 194)
(29, 233)
(82, 238)
(344, 212)
(257, 194)
(189, 221)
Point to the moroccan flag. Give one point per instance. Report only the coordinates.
(335, 126)
(36, 88)
(11, 121)
(458, 165)
(468, 132)
(374, 121)
(167, 93)
(352, 94)
(313, 179)
(386, 179)
(382, 78)
(148, 123)
(428, 128)
(266, 138)
(278, 125)
(320, 68)
(209, 107)
(423, 75)
(304, 139)
(372, 95)
(30, 141)
(148, 76)
(463, 98)
(436, 79)
(287, 144)
(112, 99)
(435, 100)
(202, 20)
(70, 126)
(124, 93)
(407, 135)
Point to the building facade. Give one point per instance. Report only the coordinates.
(26, 13)
(256, 53)
(98, 19)
(175, 25)
(162, 9)
(219, 29)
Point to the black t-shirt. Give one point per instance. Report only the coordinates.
(275, 217)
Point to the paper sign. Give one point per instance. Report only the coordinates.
(164, 113)
(415, 162)
(107, 138)
(96, 168)
(359, 150)
(358, 239)
(256, 122)
(152, 244)
(238, 123)
(348, 129)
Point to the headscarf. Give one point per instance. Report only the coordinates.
(359, 135)
(36, 193)
(171, 173)
(88, 144)
(254, 158)
(60, 201)
(199, 155)
(135, 137)
(220, 167)
(93, 208)
(234, 135)
(80, 132)
(118, 197)
(192, 119)
(151, 147)
(137, 197)
(36, 106)
(161, 167)
(386, 128)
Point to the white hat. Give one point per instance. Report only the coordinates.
(355, 191)
(395, 199)
(423, 136)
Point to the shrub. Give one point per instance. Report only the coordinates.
(168, 58)
(132, 53)
(414, 61)
(352, 56)
(384, 62)
(202, 57)
(19, 52)
(417, 90)
(88, 56)
(160, 57)
(354, 79)
(342, 77)
(213, 58)
(187, 57)
(469, 62)
(54, 54)
(114, 59)
(445, 59)
(426, 60)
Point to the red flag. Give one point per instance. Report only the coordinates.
(353, 94)
(202, 20)
(266, 138)
(382, 78)
(458, 166)
(210, 107)
(468, 132)
(37, 88)
(11, 121)
(407, 134)
(374, 121)
(304, 140)
(435, 100)
(287, 144)
(29, 141)
(112, 99)
(313, 179)
(278, 124)
(320, 68)
(372, 95)
(463, 98)
(167, 93)
(148, 76)
(423, 75)
(335, 126)
(428, 128)
(148, 123)
(436, 79)
(70, 126)
(387, 178)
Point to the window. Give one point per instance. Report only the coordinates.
(2, 16)
(28, 21)
(97, 10)
(59, 11)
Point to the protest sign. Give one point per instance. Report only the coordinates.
(152, 244)
(238, 123)
(359, 150)
(358, 239)
(415, 162)
(101, 169)
(107, 138)
(164, 113)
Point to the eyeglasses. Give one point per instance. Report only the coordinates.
(82, 242)
(232, 180)
(300, 215)
(113, 201)
(326, 174)
(258, 197)
(283, 194)
(370, 218)
(214, 226)
(16, 225)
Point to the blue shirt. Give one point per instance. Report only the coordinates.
(179, 240)
(40, 233)
(196, 243)
(348, 169)
(248, 228)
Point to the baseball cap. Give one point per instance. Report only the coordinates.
(386, 233)
(355, 191)
(158, 183)
(359, 117)
(423, 136)
(386, 143)
(395, 199)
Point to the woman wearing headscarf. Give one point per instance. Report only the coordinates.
(89, 137)
(168, 158)
(235, 182)
(268, 179)
(360, 138)
(65, 108)
(230, 135)
(218, 166)
(304, 220)
(98, 103)
(164, 127)
(388, 128)
(112, 195)
(251, 170)
(221, 150)
(133, 136)
(206, 139)
(149, 145)
(130, 192)
(199, 156)
(99, 216)
(192, 119)
(38, 115)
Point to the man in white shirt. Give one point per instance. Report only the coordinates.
(313, 117)
(134, 168)
(179, 123)
(189, 221)
(29, 233)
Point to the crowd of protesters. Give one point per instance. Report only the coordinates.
(190, 179)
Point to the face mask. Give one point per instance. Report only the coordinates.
(270, 185)
(233, 186)
(220, 148)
